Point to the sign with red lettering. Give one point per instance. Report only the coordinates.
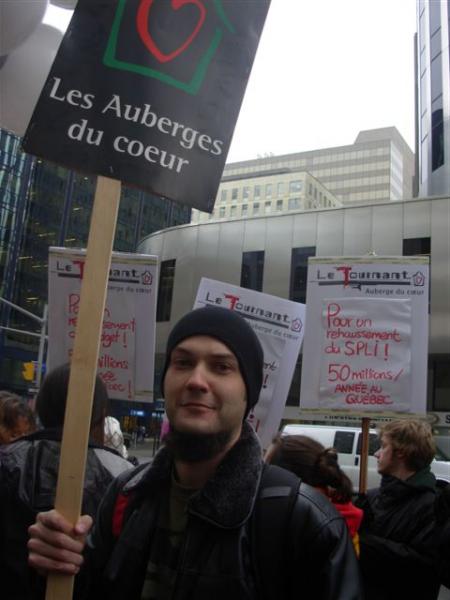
(148, 92)
(126, 357)
(365, 360)
(279, 325)
(366, 333)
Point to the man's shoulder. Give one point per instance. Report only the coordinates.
(316, 502)
(148, 475)
(111, 460)
(16, 454)
(13, 458)
(306, 499)
(133, 479)
(12, 448)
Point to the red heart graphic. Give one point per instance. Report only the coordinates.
(142, 20)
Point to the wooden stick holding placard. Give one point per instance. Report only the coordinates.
(364, 455)
(69, 492)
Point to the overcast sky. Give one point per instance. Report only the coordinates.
(325, 70)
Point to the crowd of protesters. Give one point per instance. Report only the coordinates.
(212, 515)
(29, 459)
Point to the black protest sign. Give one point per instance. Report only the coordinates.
(148, 92)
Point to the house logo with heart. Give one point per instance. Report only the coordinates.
(173, 41)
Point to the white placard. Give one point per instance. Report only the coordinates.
(366, 336)
(279, 325)
(365, 361)
(127, 345)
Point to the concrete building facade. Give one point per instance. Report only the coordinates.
(280, 245)
(276, 192)
(378, 167)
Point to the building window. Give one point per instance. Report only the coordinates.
(223, 196)
(417, 246)
(293, 203)
(280, 189)
(267, 206)
(295, 186)
(221, 212)
(255, 208)
(279, 205)
(244, 210)
(233, 210)
(234, 193)
(269, 190)
(252, 270)
(246, 192)
(257, 191)
(437, 139)
(165, 290)
(439, 369)
(293, 398)
(299, 272)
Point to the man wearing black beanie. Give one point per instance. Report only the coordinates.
(192, 524)
(210, 353)
(233, 331)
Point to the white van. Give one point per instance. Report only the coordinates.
(348, 441)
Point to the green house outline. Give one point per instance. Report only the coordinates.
(191, 87)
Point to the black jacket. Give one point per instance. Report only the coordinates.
(28, 475)
(217, 559)
(442, 535)
(397, 539)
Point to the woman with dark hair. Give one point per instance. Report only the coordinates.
(318, 466)
(16, 418)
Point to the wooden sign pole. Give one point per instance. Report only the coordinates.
(69, 491)
(364, 455)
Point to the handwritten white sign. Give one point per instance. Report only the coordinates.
(365, 360)
(366, 336)
(279, 325)
(126, 357)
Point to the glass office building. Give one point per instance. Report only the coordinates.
(433, 96)
(42, 205)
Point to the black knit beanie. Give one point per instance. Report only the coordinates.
(233, 331)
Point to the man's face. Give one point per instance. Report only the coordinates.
(204, 389)
(387, 461)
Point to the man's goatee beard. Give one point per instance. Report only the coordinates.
(195, 447)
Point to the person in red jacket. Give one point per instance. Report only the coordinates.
(318, 466)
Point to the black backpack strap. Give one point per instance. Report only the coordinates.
(270, 530)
